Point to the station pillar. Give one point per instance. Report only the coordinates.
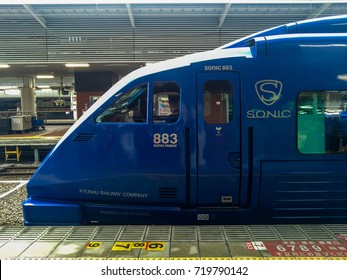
(28, 97)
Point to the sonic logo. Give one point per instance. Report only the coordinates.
(268, 91)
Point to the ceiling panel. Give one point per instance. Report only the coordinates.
(104, 34)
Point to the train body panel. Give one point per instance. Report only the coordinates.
(251, 134)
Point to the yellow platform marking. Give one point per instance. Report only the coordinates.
(128, 246)
(155, 246)
(124, 259)
(92, 258)
(93, 245)
(122, 246)
(215, 258)
(248, 258)
(154, 259)
(185, 258)
(23, 137)
(310, 258)
(279, 258)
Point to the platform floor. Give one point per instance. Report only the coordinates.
(175, 242)
(51, 133)
(12, 145)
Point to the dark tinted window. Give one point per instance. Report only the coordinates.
(218, 102)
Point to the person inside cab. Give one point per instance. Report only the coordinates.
(174, 103)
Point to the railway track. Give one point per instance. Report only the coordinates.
(14, 170)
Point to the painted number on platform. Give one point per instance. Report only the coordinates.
(93, 245)
(122, 246)
(295, 248)
(155, 246)
(300, 248)
(127, 246)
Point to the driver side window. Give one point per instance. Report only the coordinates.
(130, 107)
(166, 102)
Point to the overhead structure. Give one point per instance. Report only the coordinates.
(40, 19)
(224, 14)
(131, 16)
(124, 36)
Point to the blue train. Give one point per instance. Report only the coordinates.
(252, 132)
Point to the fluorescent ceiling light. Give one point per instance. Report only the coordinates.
(8, 87)
(77, 64)
(43, 86)
(15, 92)
(4, 66)
(45, 76)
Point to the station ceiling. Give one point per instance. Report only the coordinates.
(40, 39)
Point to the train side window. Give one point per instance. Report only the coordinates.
(130, 107)
(322, 122)
(166, 102)
(218, 102)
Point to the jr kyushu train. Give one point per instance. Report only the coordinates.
(252, 132)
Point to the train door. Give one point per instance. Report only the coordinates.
(218, 157)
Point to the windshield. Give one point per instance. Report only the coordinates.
(130, 107)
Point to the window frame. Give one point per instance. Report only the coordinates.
(165, 118)
(117, 97)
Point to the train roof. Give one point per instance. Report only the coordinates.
(335, 24)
